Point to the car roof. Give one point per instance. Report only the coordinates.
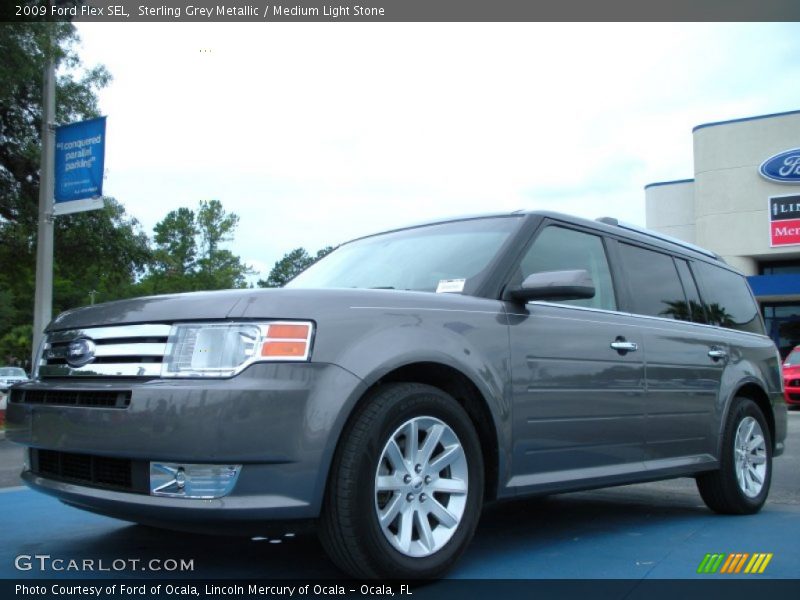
(607, 225)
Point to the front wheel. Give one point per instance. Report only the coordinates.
(406, 486)
(741, 484)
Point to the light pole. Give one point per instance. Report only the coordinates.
(43, 302)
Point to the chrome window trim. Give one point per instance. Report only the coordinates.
(638, 316)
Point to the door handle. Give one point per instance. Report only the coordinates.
(717, 353)
(621, 345)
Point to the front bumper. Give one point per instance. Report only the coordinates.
(792, 395)
(280, 421)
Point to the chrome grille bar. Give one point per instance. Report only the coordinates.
(120, 331)
(120, 351)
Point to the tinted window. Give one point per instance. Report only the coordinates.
(559, 249)
(727, 298)
(696, 310)
(653, 282)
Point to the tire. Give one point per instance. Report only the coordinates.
(410, 497)
(732, 490)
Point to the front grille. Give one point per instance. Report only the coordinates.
(86, 398)
(793, 383)
(119, 351)
(95, 471)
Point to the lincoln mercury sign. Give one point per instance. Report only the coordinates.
(784, 220)
(79, 166)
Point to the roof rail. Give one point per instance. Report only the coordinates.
(660, 236)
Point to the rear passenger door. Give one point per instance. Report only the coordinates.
(577, 400)
(684, 359)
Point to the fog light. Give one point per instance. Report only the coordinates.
(192, 480)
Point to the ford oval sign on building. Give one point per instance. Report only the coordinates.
(783, 167)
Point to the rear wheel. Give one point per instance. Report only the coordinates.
(741, 484)
(406, 486)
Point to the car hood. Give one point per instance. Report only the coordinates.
(249, 304)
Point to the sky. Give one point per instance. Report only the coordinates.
(316, 133)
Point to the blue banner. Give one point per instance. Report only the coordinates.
(79, 162)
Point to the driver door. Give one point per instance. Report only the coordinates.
(578, 395)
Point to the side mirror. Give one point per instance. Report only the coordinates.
(555, 285)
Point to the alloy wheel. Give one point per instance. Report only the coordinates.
(421, 486)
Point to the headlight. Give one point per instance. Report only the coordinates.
(225, 349)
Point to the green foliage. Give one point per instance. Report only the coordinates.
(292, 264)
(176, 248)
(104, 251)
(214, 226)
(6, 306)
(99, 255)
(83, 242)
(187, 254)
(15, 345)
(25, 48)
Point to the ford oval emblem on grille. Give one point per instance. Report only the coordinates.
(80, 352)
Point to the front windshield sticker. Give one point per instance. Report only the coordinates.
(450, 285)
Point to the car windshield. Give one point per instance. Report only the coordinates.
(11, 372)
(417, 259)
(793, 359)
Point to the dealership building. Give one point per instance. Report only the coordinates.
(744, 204)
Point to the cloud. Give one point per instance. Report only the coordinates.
(316, 133)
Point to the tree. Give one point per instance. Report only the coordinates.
(291, 265)
(218, 268)
(93, 251)
(25, 48)
(98, 256)
(176, 249)
(103, 251)
(187, 255)
(214, 226)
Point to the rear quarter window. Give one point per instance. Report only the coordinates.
(654, 284)
(727, 298)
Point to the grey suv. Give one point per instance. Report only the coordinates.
(404, 380)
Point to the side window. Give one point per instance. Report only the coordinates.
(653, 282)
(727, 298)
(696, 310)
(560, 249)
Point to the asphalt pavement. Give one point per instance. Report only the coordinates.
(659, 530)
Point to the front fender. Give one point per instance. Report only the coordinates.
(474, 343)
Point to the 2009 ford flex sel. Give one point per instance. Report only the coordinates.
(405, 379)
